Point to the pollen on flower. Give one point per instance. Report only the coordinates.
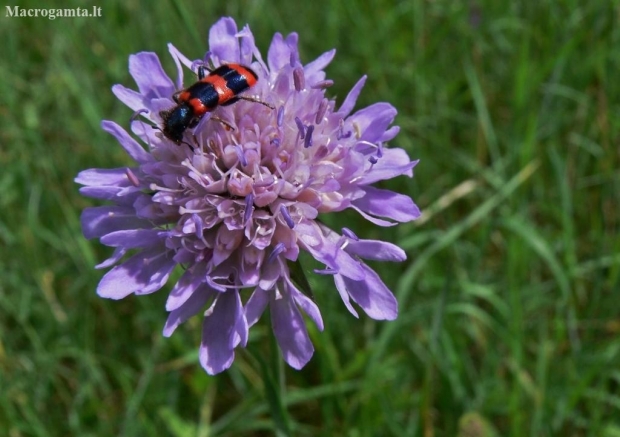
(235, 195)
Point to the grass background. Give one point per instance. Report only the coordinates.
(509, 322)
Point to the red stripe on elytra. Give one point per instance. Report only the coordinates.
(198, 107)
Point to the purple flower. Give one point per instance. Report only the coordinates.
(234, 207)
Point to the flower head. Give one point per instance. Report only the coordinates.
(235, 202)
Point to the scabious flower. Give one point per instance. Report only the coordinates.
(234, 206)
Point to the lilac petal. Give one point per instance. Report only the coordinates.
(271, 272)
(223, 41)
(132, 238)
(149, 75)
(255, 306)
(247, 45)
(186, 286)
(372, 296)
(241, 326)
(194, 304)
(103, 177)
(101, 220)
(373, 120)
(122, 196)
(291, 41)
(143, 273)
(394, 162)
(219, 330)
(385, 203)
(279, 54)
(290, 331)
(327, 252)
(314, 70)
(389, 134)
(375, 220)
(133, 99)
(119, 252)
(344, 295)
(306, 304)
(179, 59)
(349, 102)
(376, 250)
(133, 148)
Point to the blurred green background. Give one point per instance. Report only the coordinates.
(509, 317)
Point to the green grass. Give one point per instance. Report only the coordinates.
(509, 318)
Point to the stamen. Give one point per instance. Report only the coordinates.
(358, 132)
(320, 113)
(277, 250)
(197, 63)
(349, 233)
(137, 113)
(308, 139)
(275, 142)
(299, 80)
(280, 116)
(287, 217)
(301, 127)
(343, 241)
(249, 204)
(132, 177)
(322, 84)
(373, 160)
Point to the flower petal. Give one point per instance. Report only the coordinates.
(372, 296)
(373, 121)
(219, 330)
(119, 252)
(103, 177)
(327, 252)
(344, 294)
(223, 41)
(133, 238)
(101, 220)
(143, 273)
(179, 59)
(279, 54)
(290, 331)
(247, 45)
(194, 304)
(255, 306)
(349, 102)
(186, 286)
(376, 250)
(134, 150)
(306, 304)
(386, 203)
(375, 220)
(394, 162)
(133, 99)
(314, 70)
(149, 75)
